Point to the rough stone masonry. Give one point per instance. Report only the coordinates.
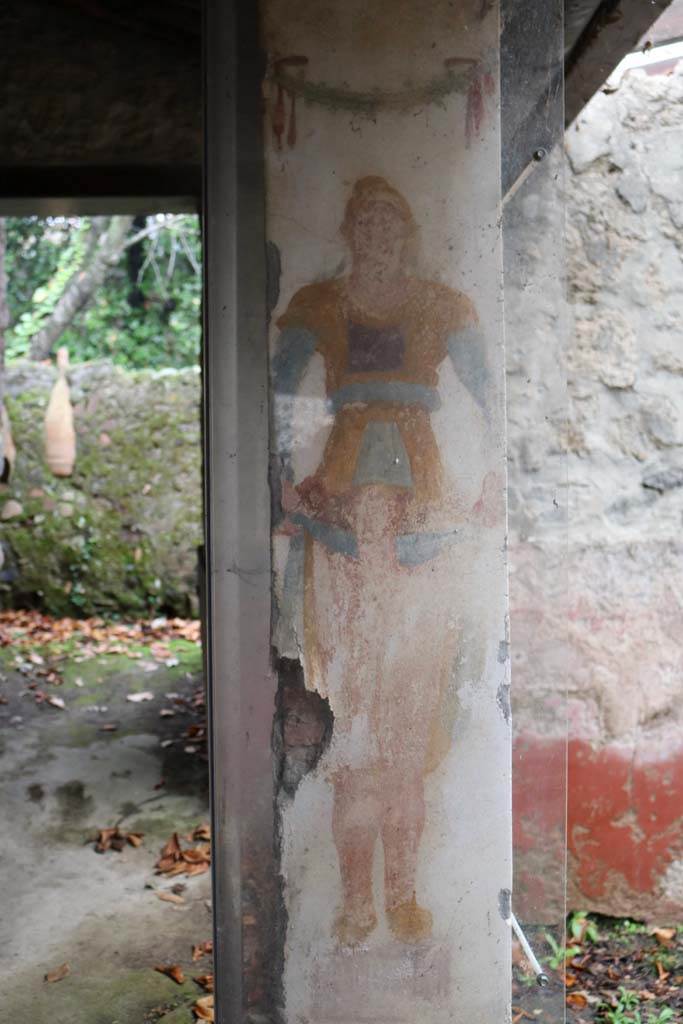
(121, 534)
(625, 442)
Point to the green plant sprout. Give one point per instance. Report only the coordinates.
(629, 1001)
(632, 927)
(582, 928)
(560, 953)
(667, 958)
(627, 998)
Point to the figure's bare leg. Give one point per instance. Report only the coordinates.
(355, 827)
(402, 828)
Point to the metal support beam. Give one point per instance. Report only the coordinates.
(237, 502)
(613, 31)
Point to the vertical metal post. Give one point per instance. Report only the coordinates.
(237, 497)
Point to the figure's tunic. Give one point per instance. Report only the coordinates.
(381, 378)
(364, 636)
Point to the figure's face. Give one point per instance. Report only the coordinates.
(378, 232)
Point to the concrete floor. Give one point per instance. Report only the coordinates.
(61, 777)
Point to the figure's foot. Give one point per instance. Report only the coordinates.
(354, 926)
(409, 922)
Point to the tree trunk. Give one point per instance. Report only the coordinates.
(104, 245)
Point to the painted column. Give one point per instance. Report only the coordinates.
(392, 740)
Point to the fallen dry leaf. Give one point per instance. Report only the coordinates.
(137, 698)
(661, 973)
(115, 839)
(58, 973)
(577, 1000)
(202, 949)
(104, 838)
(169, 897)
(56, 702)
(196, 869)
(21, 628)
(171, 847)
(197, 855)
(178, 867)
(174, 859)
(663, 935)
(173, 971)
(206, 981)
(203, 1008)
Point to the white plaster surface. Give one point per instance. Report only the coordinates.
(461, 974)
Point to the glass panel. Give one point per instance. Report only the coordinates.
(362, 735)
(535, 326)
(383, 198)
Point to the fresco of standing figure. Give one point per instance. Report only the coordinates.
(380, 524)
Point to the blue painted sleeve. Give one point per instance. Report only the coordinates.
(293, 353)
(467, 351)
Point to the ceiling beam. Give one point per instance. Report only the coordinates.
(613, 31)
(88, 189)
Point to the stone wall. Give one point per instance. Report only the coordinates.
(121, 534)
(626, 377)
(625, 556)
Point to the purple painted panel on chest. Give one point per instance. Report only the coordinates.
(375, 348)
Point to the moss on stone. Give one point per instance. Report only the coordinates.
(119, 536)
(183, 1015)
(105, 997)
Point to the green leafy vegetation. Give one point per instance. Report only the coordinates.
(627, 927)
(627, 1011)
(146, 312)
(582, 927)
(606, 971)
(560, 953)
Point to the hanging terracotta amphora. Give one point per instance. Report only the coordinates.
(7, 448)
(60, 436)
